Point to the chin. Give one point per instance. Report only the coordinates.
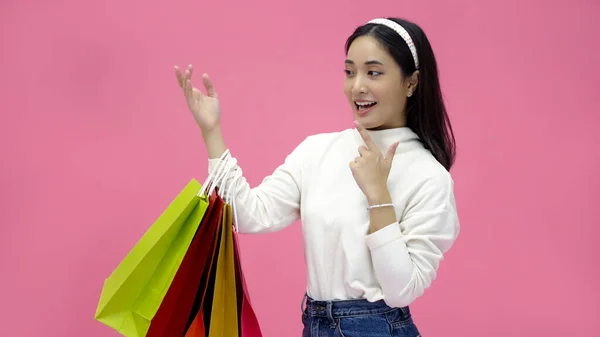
(366, 122)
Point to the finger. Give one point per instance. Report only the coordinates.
(179, 76)
(363, 150)
(188, 73)
(190, 69)
(391, 151)
(187, 89)
(365, 136)
(210, 88)
(185, 77)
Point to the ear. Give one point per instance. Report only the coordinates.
(412, 82)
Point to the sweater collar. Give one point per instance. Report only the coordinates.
(385, 138)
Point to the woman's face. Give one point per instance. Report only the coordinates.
(374, 85)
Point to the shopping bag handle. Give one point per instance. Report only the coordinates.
(220, 175)
(227, 188)
(211, 176)
(224, 173)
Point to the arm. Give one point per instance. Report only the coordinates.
(380, 217)
(269, 207)
(214, 142)
(272, 205)
(406, 255)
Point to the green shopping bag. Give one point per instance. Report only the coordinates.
(134, 291)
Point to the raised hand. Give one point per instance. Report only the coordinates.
(371, 169)
(204, 107)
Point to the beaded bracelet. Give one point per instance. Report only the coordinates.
(379, 206)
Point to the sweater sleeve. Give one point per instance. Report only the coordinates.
(406, 255)
(272, 205)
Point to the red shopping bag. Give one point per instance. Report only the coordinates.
(175, 309)
(198, 322)
(218, 312)
(248, 322)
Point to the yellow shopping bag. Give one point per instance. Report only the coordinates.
(134, 291)
(224, 314)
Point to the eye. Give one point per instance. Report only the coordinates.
(348, 72)
(374, 73)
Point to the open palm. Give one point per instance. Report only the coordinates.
(204, 107)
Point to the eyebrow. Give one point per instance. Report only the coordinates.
(366, 63)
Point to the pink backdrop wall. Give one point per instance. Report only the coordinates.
(95, 140)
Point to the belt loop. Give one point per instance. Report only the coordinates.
(329, 309)
(405, 311)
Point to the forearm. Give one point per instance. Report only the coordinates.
(274, 203)
(214, 142)
(406, 256)
(381, 217)
(406, 253)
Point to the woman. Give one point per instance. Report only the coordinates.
(374, 233)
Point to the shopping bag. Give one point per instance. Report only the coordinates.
(132, 294)
(239, 288)
(200, 315)
(223, 317)
(248, 322)
(173, 315)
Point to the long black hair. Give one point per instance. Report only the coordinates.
(426, 112)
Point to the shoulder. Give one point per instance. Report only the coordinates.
(431, 182)
(424, 167)
(327, 137)
(321, 142)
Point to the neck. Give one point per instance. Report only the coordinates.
(385, 137)
(399, 122)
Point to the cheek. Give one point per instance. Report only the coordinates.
(395, 96)
(348, 90)
(399, 98)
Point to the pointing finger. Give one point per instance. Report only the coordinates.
(366, 137)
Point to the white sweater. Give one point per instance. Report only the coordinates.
(315, 185)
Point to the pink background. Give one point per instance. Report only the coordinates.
(95, 141)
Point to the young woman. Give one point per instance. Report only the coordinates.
(376, 201)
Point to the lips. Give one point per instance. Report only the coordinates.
(363, 107)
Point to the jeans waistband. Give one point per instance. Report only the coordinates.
(346, 308)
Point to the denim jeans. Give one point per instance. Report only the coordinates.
(355, 318)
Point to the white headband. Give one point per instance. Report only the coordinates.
(403, 33)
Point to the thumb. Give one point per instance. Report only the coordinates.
(391, 151)
(210, 88)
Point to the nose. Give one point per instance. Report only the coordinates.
(358, 86)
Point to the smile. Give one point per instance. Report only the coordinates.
(364, 107)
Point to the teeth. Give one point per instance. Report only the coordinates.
(364, 103)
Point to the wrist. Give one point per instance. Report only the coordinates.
(212, 133)
(379, 196)
(214, 142)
